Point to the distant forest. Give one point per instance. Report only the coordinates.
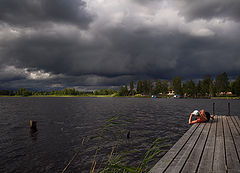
(207, 87)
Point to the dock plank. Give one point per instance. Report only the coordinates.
(236, 122)
(207, 157)
(167, 159)
(231, 153)
(219, 162)
(236, 136)
(206, 147)
(180, 160)
(193, 161)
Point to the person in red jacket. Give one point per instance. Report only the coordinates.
(202, 117)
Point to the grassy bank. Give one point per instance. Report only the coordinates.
(225, 97)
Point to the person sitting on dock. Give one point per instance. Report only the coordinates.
(202, 117)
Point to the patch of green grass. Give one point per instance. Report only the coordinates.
(226, 97)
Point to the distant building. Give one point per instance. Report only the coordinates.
(171, 93)
(229, 93)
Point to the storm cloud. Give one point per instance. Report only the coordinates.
(86, 44)
(30, 13)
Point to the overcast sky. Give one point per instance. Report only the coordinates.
(91, 44)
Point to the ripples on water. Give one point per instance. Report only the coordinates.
(63, 122)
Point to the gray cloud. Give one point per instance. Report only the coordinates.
(210, 9)
(29, 13)
(110, 50)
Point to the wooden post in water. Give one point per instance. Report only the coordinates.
(33, 125)
(228, 109)
(213, 109)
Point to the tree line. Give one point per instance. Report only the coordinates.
(207, 87)
(25, 92)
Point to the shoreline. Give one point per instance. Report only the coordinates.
(101, 96)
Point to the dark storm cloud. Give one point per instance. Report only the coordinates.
(138, 55)
(211, 56)
(209, 9)
(29, 13)
(114, 49)
(10, 74)
(129, 53)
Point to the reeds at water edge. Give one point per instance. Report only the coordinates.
(116, 161)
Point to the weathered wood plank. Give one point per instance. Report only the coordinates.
(171, 154)
(235, 120)
(236, 136)
(206, 162)
(181, 158)
(193, 161)
(207, 147)
(233, 171)
(231, 153)
(219, 162)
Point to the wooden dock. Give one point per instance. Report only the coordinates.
(205, 147)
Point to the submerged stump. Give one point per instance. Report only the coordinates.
(33, 125)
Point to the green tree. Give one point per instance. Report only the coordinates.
(105, 92)
(158, 88)
(145, 87)
(23, 92)
(222, 83)
(150, 87)
(200, 90)
(164, 87)
(51, 93)
(6, 92)
(139, 87)
(236, 86)
(177, 85)
(123, 91)
(189, 88)
(207, 81)
(132, 88)
(212, 89)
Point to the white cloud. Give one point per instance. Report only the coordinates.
(57, 85)
(10, 72)
(38, 75)
(202, 32)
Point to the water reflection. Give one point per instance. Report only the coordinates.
(33, 134)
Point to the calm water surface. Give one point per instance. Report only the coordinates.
(64, 122)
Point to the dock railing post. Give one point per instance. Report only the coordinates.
(213, 109)
(228, 109)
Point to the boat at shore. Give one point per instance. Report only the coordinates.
(177, 96)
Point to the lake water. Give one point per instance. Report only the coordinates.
(64, 122)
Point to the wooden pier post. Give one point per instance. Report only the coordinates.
(228, 109)
(33, 125)
(213, 112)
